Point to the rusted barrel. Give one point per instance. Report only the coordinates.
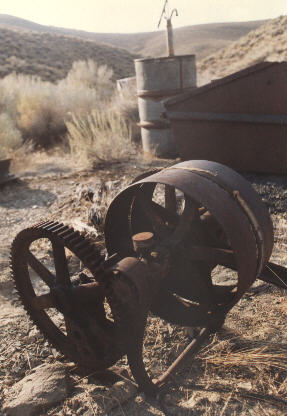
(158, 79)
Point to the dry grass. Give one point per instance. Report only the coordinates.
(36, 110)
(10, 136)
(40, 118)
(127, 105)
(102, 135)
(231, 353)
(92, 76)
(266, 43)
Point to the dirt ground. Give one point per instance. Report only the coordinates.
(240, 371)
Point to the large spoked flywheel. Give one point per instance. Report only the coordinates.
(205, 215)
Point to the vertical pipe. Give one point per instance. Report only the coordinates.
(169, 38)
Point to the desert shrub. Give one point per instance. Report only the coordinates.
(77, 98)
(10, 136)
(34, 107)
(39, 108)
(40, 119)
(101, 136)
(91, 75)
(43, 111)
(127, 105)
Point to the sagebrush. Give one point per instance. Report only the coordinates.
(100, 136)
(41, 112)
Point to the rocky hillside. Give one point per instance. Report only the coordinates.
(268, 42)
(202, 40)
(51, 55)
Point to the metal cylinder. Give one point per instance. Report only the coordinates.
(169, 38)
(158, 79)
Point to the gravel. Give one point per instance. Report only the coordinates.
(272, 189)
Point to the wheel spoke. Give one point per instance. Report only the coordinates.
(43, 302)
(213, 255)
(170, 199)
(148, 208)
(41, 270)
(166, 216)
(61, 264)
(189, 214)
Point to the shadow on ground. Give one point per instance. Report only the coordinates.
(20, 196)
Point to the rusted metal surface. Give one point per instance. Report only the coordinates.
(157, 79)
(5, 176)
(239, 120)
(164, 234)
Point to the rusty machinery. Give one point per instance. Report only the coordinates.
(160, 255)
(5, 176)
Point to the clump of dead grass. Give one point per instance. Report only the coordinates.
(127, 105)
(239, 354)
(100, 136)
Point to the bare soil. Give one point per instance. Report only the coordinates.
(241, 371)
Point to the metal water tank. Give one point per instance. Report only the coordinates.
(158, 79)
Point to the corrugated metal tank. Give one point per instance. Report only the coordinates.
(158, 79)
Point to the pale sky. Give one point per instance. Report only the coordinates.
(138, 15)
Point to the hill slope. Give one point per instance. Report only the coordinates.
(199, 39)
(51, 55)
(268, 42)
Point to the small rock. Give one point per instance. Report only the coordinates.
(34, 334)
(118, 394)
(122, 391)
(43, 388)
(246, 385)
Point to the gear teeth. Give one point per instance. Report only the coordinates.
(76, 243)
(81, 245)
(65, 234)
(75, 240)
(71, 237)
(42, 224)
(62, 228)
(53, 228)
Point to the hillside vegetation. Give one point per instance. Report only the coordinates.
(199, 39)
(266, 43)
(50, 56)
